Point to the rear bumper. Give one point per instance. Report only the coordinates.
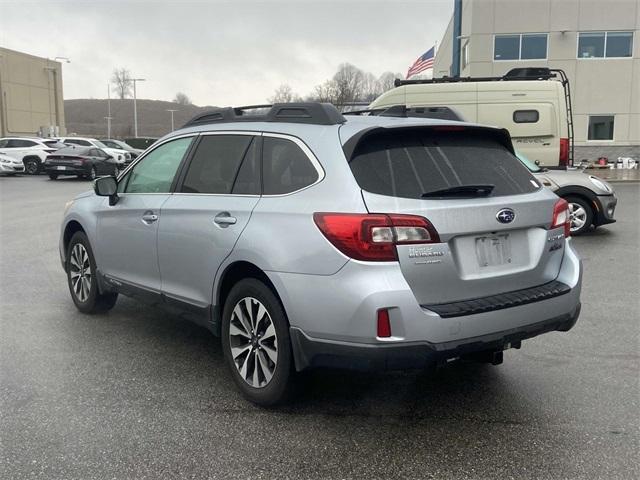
(335, 316)
(311, 353)
(69, 170)
(605, 209)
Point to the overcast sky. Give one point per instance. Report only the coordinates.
(220, 52)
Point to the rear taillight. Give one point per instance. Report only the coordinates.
(561, 217)
(563, 159)
(373, 237)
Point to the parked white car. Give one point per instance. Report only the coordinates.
(119, 155)
(31, 152)
(10, 165)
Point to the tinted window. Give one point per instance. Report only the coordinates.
(286, 168)
(215, 164)
(3, 143)
(75, 141)
(591, 45)
(600, 127)
(53, 144)
(73, 151)
(506, 47)
(408, 164)
(534, 46)
(109, 143)
(619, 44)
(248, 178)
(19, 143)
(155, 172)
(526, 116)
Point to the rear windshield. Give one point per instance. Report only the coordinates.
(77, 150)
(414, 162)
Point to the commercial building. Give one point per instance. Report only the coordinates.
(31, 100)
(595, 42)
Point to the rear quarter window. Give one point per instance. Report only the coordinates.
(410, 163)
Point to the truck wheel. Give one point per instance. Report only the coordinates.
(580, 213)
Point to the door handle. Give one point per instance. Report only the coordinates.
(225, 219)
(149, 218)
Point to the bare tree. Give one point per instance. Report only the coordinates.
(284, 94)
(325, 92)
(370, 88)
(348, 83)
(122, 83)
(182, 99)
(386, 81)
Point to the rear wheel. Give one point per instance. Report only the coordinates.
(93, 174)
(53, 176)
(81, 278)
(255, 342)
(31, 166)
(580, 213)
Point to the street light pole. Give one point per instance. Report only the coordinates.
(108, 117)
(135, 107)
(169, 110)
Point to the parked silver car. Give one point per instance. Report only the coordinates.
(307, 238)
(592, 200)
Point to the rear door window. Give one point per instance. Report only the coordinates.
(411, 163)
(216, 163)
(286, 168)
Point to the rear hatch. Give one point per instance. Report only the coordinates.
(491, 215)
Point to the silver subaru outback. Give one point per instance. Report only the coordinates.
(305, 238)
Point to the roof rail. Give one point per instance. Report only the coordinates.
(300, 112)
(530, 73)
(438, 112)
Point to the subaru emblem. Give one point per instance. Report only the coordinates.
(506, 215)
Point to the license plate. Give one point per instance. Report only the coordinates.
(493, 250)
(61, 168)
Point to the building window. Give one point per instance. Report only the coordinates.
(526, 46)
(600, 127)
(605, 44)
(526, 116)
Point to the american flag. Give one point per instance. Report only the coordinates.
(422, 63)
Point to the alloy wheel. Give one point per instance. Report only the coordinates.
(80, 272)
(253, 341)
(577, 215)
(31, 168)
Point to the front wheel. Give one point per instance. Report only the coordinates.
(93, 174)
(81, 278)
(31, 167)
(256, 344)
(580, 214)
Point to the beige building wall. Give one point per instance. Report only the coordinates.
(31, 99)
(600, 86)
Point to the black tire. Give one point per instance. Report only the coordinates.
(584, 220)
(279, 387)
(95, 302)
(31, 166)
(53, 176)
(93, 174)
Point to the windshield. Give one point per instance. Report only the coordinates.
(98, 143)
(528, 163)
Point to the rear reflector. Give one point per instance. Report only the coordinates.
(373, 237)
(561, 217)
(384, 325)
(564, 152)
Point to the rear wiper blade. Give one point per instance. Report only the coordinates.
(461, 191)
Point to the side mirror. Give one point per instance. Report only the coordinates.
(107, 187)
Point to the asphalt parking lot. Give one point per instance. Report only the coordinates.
(139, 394)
